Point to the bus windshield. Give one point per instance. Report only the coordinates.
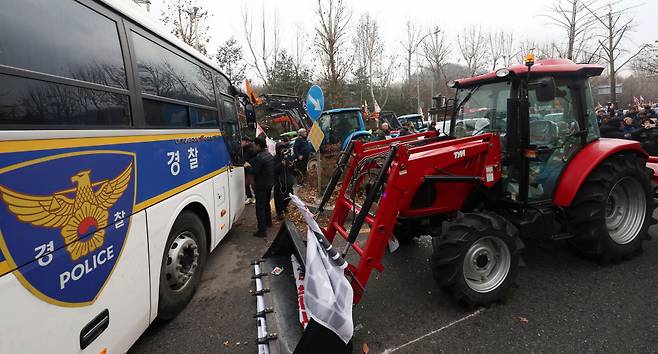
(481, 109)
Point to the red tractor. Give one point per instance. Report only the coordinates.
(523, 160)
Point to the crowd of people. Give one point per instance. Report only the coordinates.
(265, 173)
(636, 123)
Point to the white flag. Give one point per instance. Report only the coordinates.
(328, 295)
(259, 130)
(271, 145)
(377, 109)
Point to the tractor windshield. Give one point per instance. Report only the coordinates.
(481, 109)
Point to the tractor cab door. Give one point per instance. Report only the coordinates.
(558, 128)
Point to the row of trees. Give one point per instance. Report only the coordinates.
(356, 66)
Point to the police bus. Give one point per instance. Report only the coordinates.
(120, 170)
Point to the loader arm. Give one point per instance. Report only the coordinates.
(451, 168)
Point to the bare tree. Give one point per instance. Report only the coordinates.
(436, 51)
(648, 64)
(617, 22)
(262, 42)
(473, 48)
(302, 47)
(369, 47)
(331, 41)
(577, 23)
(542, 50)
(230, 60)
(414, 39)
(189, 22)
(501, 48)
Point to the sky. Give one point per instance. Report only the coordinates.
(522, 17)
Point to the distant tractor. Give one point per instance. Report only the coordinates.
(342, 125)
(416, 120)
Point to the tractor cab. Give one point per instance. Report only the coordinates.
(543, 113)
(341, 125)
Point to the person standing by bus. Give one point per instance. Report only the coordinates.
(248, 153)
(283, 179)
(261, 166)
(301, 153)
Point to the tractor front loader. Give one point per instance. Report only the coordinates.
(522, 160)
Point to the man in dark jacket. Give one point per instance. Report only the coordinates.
(283, 179)
(611, 128)
(647, 136)
(301, 154)
(261, 167)
(248, 153)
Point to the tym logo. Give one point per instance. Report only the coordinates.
(460, 153)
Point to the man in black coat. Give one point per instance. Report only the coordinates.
(248, 153)
(261, 166)
(301, 153)
(611, 128)
(647, 136)
(283, 179)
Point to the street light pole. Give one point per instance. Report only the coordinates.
(421, 40)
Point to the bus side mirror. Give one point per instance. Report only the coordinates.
(250, 114)
(545, 89)
(233, 91)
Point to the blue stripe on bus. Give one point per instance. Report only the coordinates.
(162, 166)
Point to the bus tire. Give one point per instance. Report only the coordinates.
(182, 264)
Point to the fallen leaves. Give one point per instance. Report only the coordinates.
(521, 319)
(365, 348)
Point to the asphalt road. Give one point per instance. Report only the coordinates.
(563, 303)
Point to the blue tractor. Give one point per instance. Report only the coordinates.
(341, 125)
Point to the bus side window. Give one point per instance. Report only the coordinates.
(63, 38)
(47, 53)
(177, 91)
(231, 128)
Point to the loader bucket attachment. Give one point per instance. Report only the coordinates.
(280, 310)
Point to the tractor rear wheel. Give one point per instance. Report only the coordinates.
(476, 258)
(611, 213)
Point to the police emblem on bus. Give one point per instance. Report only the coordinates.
(64, 220)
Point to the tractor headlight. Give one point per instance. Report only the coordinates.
(502, 72)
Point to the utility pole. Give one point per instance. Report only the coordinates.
(417, 90)
(611, 61)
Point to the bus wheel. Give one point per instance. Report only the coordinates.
(182, 264)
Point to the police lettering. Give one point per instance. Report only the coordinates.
(82, 269)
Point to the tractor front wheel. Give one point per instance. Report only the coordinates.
(476, 258)
(611, 213)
